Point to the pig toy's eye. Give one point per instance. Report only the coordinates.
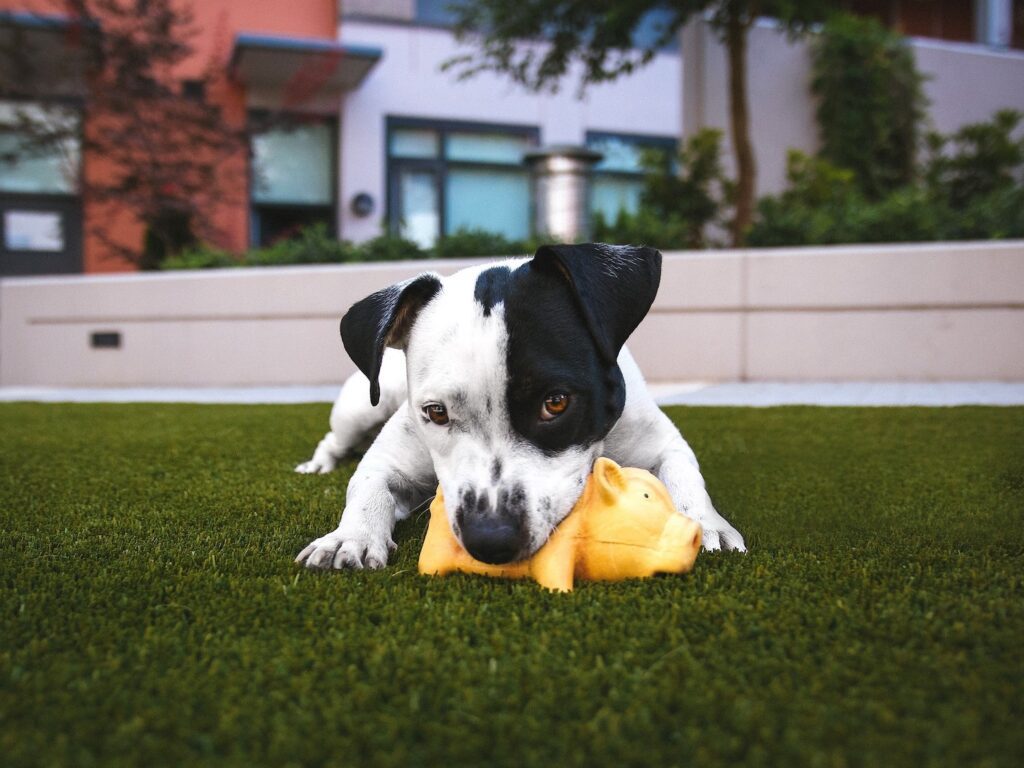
(554, 405)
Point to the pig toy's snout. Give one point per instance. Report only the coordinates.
(680, 543)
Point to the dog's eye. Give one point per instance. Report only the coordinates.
(437, 413)
(554, 406)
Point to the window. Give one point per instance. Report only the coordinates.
(33, 231)
(293, 178)
(39, 149)
(618, 180)
(447, 177)
(435, 12)
(40, 207)
(652, 28)
(194, 90)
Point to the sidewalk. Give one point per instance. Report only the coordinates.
(759, 394)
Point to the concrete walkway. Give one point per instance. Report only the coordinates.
(944, 393)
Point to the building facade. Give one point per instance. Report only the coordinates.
(249, 58)
(353, 123)
(367, 134)
(436, 154)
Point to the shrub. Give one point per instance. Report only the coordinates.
(201, 257)
(814, 209)
(870, 102)
(977, 161)
(388, 247)
(682, 197)
(823, 206)
(313, 245)
(1000, 214)
(478, 242)
(643, 228)
(972, 188)
(906, 215)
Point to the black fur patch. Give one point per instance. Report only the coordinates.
(384, 319)
(568, 312)
(491, 287)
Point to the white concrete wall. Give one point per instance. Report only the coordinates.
(921, 312)
(778, 89)
(407, 82)
(966, 83)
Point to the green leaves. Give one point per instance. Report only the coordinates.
(870, 102)
(682, 197)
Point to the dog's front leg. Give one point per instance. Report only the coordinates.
(393, 476)
(646, 437)
(679, 471)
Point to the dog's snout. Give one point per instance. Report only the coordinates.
(490, 535)
(490, 539)
(492, 523)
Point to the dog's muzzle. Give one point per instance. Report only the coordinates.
(491, 536)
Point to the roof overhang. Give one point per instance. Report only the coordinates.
(43, 55)
(300, 69)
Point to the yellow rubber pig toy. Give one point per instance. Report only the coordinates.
(623, 526)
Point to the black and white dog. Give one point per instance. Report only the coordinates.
(514, 379)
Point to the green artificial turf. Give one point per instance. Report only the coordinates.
(152, 615)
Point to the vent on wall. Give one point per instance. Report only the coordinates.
(105, 340)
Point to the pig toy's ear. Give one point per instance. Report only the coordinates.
(611, 483)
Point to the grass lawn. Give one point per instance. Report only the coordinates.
(151, 613)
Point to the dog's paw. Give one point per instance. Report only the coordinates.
(346, 549)
(718, 535)
(317, 466)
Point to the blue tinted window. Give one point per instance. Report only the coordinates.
(494, 201)
(653, 26)
(618, 178)
(435, 12)
(447, 177)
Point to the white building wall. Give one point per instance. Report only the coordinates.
(407, 82)
(965, 83)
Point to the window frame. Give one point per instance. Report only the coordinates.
(440, 165)
(273, 119)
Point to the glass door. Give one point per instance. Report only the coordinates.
(419, 206)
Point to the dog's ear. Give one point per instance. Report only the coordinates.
(384, 319)
(614, 287)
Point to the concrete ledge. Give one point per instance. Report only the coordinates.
(945, 311)
(755, 394)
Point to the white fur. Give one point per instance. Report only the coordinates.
(456, 356)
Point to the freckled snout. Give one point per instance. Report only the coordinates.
(491, 536)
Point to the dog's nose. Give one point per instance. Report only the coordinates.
(492, 539)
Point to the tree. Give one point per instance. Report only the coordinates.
(535, 42)
(162, 147)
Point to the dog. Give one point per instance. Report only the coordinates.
(503, 383)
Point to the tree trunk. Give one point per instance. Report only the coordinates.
(746, 171)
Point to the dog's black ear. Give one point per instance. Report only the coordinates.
(614, 286)
(383, 319)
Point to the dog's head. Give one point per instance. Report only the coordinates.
(513, 380)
